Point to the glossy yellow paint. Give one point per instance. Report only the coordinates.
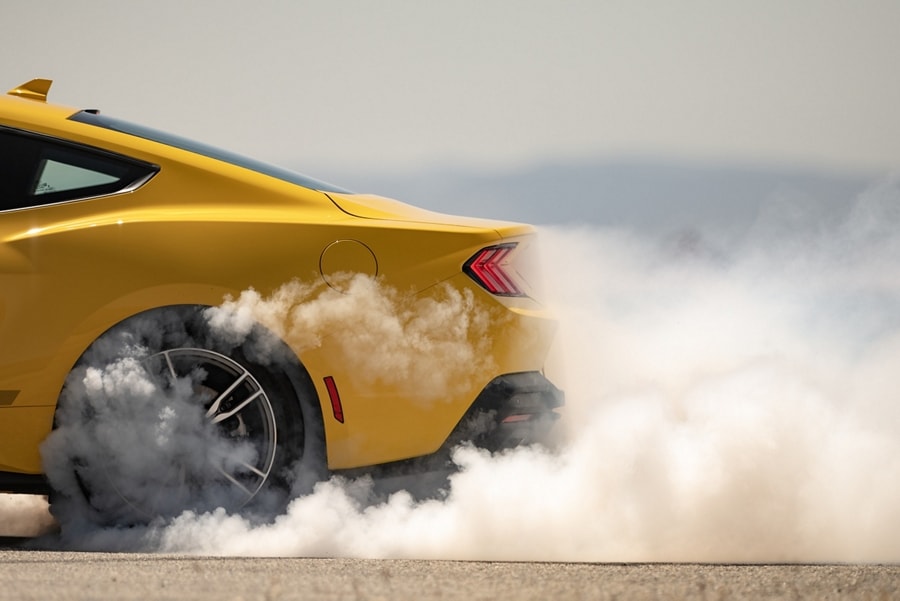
(202, 229)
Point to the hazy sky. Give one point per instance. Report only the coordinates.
(407, 84)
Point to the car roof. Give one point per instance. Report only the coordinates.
(26, 107)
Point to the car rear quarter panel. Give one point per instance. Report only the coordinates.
(394, 421)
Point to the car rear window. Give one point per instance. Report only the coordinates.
(148, 133)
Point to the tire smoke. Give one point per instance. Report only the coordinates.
(24, 515)
(427, 343)
(729, 399)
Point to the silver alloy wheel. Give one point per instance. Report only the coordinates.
(240, 411)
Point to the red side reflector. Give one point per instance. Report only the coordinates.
(516, 418)
(490, 268)
(336, 407)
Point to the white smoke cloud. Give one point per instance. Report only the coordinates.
(727, 400)
(426, 342)
(24, 515)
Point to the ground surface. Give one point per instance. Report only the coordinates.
(29, 574)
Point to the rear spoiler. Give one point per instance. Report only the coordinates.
(36, 89)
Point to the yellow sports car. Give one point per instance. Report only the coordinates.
(182, 327)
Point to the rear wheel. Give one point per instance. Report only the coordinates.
(162, 416)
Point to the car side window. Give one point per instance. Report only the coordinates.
(57, 176)
(38, 170)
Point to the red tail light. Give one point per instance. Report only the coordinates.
(491, 269)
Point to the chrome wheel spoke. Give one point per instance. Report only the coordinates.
(254, 469)
(223, 416)
(169, 365)
(237, 483)
(214, 408)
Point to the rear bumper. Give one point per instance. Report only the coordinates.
(512, 410)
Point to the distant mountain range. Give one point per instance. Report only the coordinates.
(647, 195)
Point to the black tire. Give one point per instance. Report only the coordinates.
(163, 415)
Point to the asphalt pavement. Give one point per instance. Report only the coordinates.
(48, 575)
